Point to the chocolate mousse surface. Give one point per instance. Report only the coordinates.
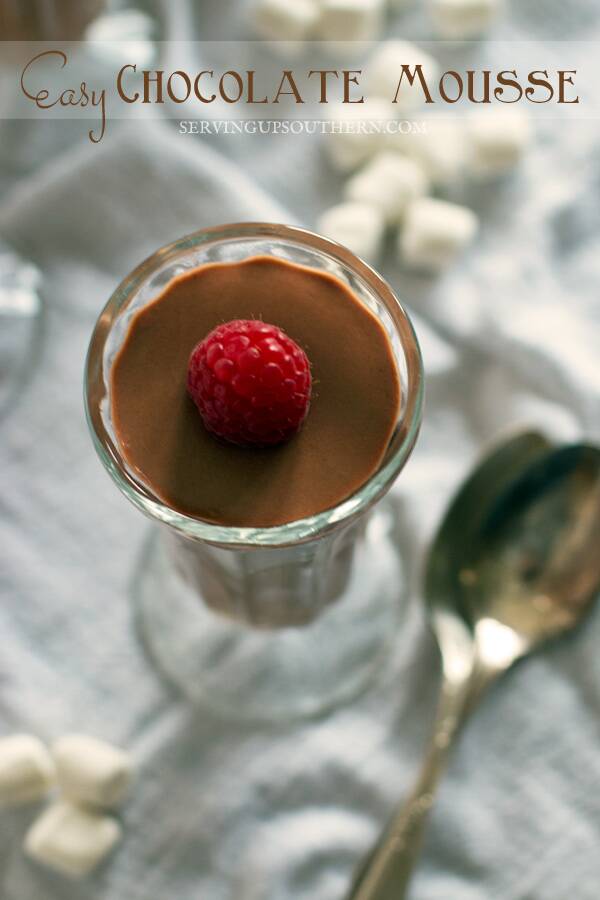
(353, 412)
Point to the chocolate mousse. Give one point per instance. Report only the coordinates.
(353, 411)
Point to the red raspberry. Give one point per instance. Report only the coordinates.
(250, 382)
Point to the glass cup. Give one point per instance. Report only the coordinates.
(265, 622)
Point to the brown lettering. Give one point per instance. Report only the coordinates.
(562, 81)
(539, 82)
(410, 77)
(351, 77)
(459, 83)
(120, 89)
(288, 78)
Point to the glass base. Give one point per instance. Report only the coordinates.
(283, 673)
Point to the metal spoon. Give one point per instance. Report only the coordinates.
(515, 562)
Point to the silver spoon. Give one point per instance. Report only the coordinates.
(515, 562)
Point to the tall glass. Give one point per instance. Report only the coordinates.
(265, 622)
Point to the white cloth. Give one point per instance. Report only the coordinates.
(229, 812)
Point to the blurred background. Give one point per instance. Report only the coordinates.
(509, 325)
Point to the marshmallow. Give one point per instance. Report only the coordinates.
(285, 20)
(358, 132)
(70, 839)
(91, 771)
(26, 770)
(463, 19)
(384, 68)
(497, 139)
(349, 20)
(441, 149)
(434, 233)
(390, 182)
(357, 226)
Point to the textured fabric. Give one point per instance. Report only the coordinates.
(224, 811)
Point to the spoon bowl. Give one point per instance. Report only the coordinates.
(450, 565)
(535, 566)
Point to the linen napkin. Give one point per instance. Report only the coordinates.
(225, 810)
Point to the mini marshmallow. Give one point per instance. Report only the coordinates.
(70, 839)
(357, 132)
(434, 233)
(91, 771)
(384, 68)
(441, 149)
(26, 770)
(350, 20)
(463, 19)
(285, 20)
(497, 139)
(357, 226)
(390, 182)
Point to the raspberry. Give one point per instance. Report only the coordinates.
(250, 382)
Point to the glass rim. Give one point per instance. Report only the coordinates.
(299, 530)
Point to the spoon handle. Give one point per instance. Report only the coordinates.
(387, 872)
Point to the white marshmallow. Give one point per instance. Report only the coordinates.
(441, 149)
(285, 20)
(463, 19)
(390, 182)
(70, 839)
(434, 233)
(357, 139)
(91, 771)
(497, 139)
(26, 770)
(384, 68)
(350, 20)
(357, 226)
